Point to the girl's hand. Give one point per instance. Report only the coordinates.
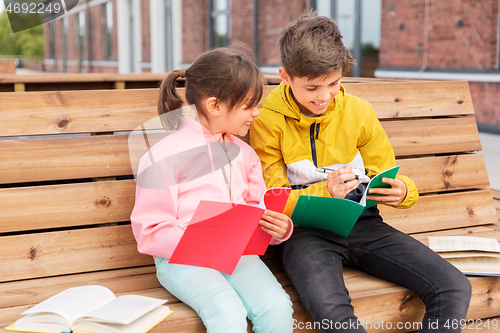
(341, 181)
(390, 196)
(274, 223)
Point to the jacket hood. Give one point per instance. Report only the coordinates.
(281, 101)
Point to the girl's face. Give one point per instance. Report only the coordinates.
(239, 119)
(218, 118)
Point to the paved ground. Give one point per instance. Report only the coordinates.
(491, 151)
(25, 71)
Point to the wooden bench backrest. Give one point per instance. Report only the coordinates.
(61, 213)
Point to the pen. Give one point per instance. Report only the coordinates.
(350, 180)
(328, 170)
(324, 170)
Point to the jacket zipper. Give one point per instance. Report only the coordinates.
(313, 137)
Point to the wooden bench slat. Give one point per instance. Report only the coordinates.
(66, 112)
(443, 211)
(416, 99)
(433, 136)
(39, 255)
(57, 206)
(75, 111)
(446, 173)
(45, 159)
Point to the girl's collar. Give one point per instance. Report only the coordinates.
(197, 129)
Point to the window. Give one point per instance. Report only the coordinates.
(107, 18)
(359, 21)
(219, 23)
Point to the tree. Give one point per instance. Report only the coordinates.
(29, 43)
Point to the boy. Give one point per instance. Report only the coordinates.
(308, 122)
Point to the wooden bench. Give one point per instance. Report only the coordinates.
(66, 200)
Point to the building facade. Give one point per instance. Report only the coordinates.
(446, 40)
(140, 36)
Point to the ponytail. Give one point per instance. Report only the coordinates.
(221, 73)
(169, 100)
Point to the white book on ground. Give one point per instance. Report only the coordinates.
(463, 243)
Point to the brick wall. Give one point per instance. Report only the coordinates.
(97, 37)
(462, 34)
(194, 29)
(242, 22)
(97, 32)
(146, 31)
(273, 17)
(486, 101)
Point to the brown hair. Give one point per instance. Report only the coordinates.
(312, 46)
(221, 73)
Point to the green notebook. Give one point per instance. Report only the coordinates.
(338, 215)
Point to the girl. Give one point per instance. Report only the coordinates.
(204, 161)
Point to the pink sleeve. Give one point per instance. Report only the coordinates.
(153, 218)
(255, 181)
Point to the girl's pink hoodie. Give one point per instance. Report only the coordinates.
(186, 169)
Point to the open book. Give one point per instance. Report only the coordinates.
(338, 215)
(93, 309)
(221, 232)
(471, 255)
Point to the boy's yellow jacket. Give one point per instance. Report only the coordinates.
(291, 146)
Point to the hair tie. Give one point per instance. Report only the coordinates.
(182, 72)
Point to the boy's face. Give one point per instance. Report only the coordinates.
(313, 96)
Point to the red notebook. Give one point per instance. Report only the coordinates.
(274, 199)
(222, 232)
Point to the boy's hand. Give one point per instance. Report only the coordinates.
(274, 223)
(390, 196)
(341, 181)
